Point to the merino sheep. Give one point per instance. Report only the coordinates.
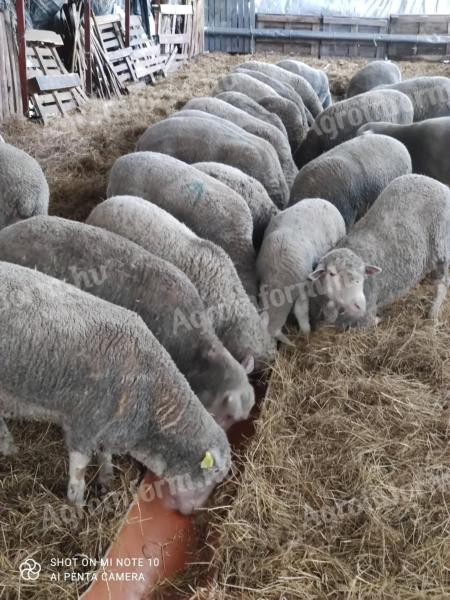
(261, 206)
(242, 330)
(294, 242)
(244, 84)
(113, 268)
(341, 121)
(430, 96)
(316, 78)
(207, 206)
(352, 175)
(299, 83)
(96, 370)
(219, 108)
(252, 107)
(427, 142)
(378, 72)
(23, 187)
(282, 89)
(198, 139)
(293, 120)
(406, 234)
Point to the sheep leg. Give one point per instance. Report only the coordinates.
(301, 312)
(106, 473)
(7, 446)
(441, 278)
(78, 463)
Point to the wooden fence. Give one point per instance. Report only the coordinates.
(396, 24)
(239, 14)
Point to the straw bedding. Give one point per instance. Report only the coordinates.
(353, 416)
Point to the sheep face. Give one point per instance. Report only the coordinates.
(340, 277)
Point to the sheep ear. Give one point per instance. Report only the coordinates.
(248, 363)
(372, 270)
(265, 319)
(317, 274)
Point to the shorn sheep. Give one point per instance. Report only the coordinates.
(352, 175)
(378, 72)
(426, 141)
(294, 242)
(113, 268)
(341, 121)
(236, 320)
(23, 188)
(207, 206)
(403, 237)
(107, 382)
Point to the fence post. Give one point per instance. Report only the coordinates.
(22, 53)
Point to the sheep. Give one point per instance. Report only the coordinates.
(23, 188)
(252, 107)
(404, 236)
(352, 175)
(198, 139)
(427, 143)
(208, 207)
(252, 125)
(430, 96)
(261, 206)
(236, 320)
(283, 89)
(113, 268)
(315, 77)
(300, 84)
(244, 84)
(295, 123)
(294, 242)
(340, 122)
(378, 72)
(96, 370)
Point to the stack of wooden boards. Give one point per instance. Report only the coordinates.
(52, 89)
(10, 91)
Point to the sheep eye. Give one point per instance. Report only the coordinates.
(332, 274)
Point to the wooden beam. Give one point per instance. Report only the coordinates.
(127, 22)
(48, 83)
(21, 44)
(43, 37)
(87, 45)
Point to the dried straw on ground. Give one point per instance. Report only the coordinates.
(348, 415)
(345, 487)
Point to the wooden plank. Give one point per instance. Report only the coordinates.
(40, 36)
(119, 54)
(175, 38)
(103, 20)
(176, 9)
(45, 83)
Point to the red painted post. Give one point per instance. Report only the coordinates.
(127, 22)
(21, 44)
(87, 46)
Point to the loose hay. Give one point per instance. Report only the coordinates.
(354, 415)
(345, 487)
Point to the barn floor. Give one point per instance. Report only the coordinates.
(348, 417)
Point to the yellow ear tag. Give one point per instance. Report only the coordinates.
(208, 461)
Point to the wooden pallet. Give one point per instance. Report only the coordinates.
(355, 49)
(175, 31)
(10, 91)
(301, 47)
(146, 55)
(53, 91)
(423, 25)
(111, 38)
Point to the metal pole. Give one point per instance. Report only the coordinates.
(127, 22)
(298, 34)
(22, 46)
(87, 45)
